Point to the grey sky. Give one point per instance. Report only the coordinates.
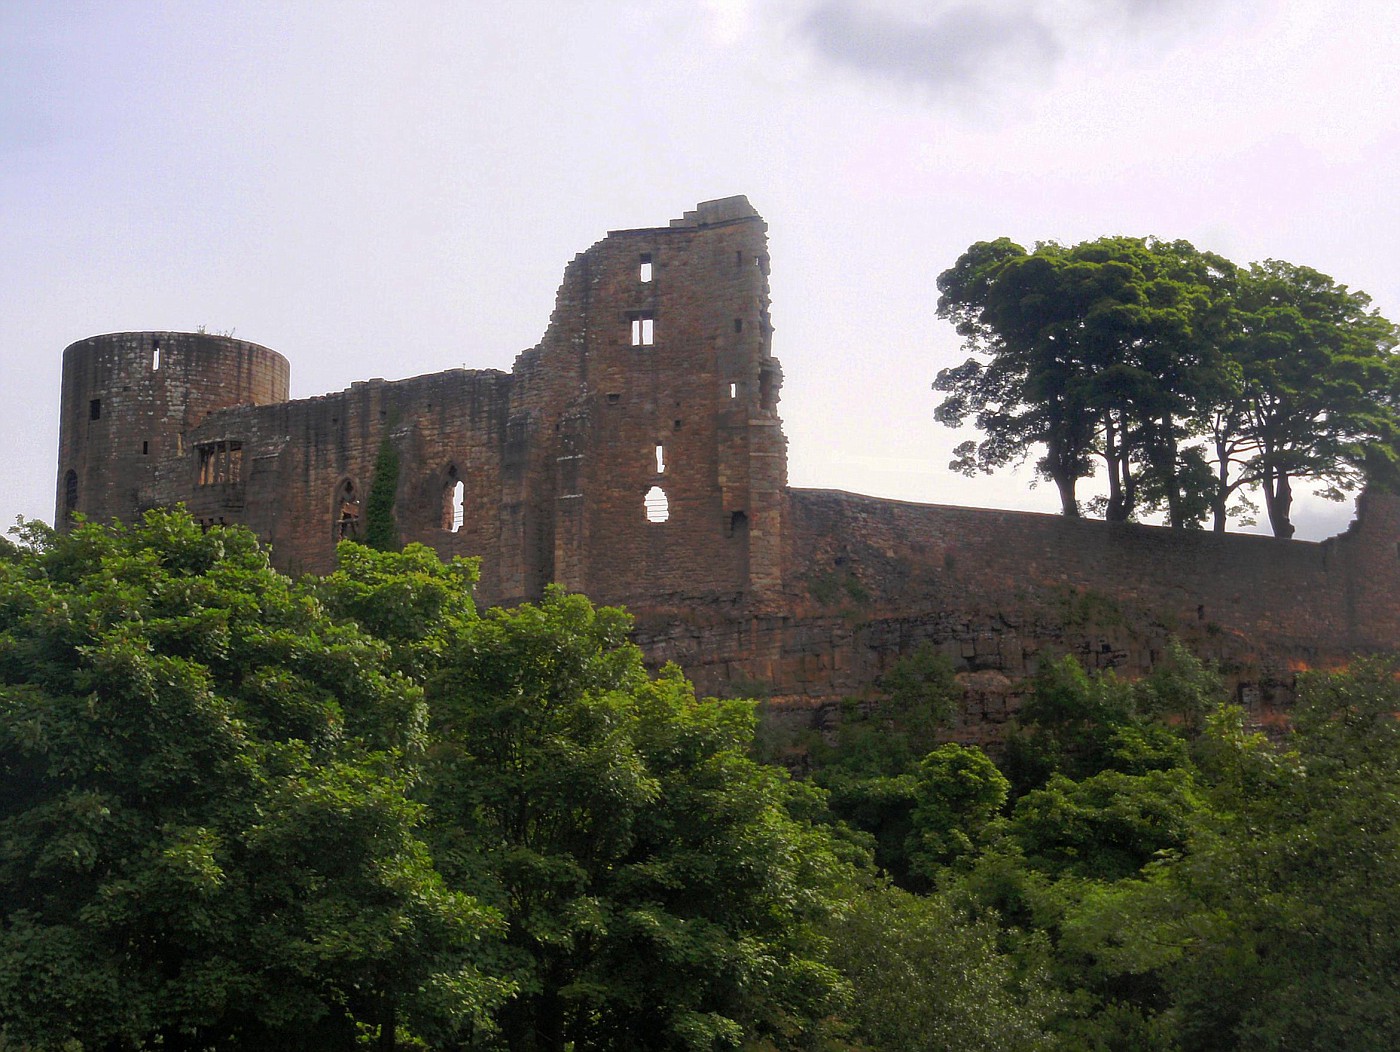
(392, 189)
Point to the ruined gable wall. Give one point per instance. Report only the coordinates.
(557, 458)
(675, 353)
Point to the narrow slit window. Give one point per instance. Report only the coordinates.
(660, 459)
(95, 409)
(643, 330)
(146, 448)
(70, 494)
(733, 389)
(644, 268)
(155, 356)
(454, 502)
(738, 324)
(658, 508)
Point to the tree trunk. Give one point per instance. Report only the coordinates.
(388, 1024)
(1166, 459)
(1116, 511)
(1069, 504)
(1278, 499)
(1220, 499)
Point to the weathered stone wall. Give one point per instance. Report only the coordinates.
(999, 593)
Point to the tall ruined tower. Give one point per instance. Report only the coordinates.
(670, 462)
(129, 401)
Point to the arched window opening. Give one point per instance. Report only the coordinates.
(658, 508)
(347, 513)
(70, 495)
(454, 500)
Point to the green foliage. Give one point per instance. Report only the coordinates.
(658, 889)
(1285, 913)
(205, 838)
(1315, 394)
(870, 771)
(242, 812)
(958, 792)
(1105, 827)
(1079, 725)
(381, 530)
(925, 979)
(411, 600)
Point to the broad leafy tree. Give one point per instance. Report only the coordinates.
(659, 889)
(1027, 387)
(1317, 393)
(1191, 381)
(204, 835)
(926, 979)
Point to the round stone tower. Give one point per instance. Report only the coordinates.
(128, 400)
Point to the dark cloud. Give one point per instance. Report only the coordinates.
(960, 44)
(955, 44)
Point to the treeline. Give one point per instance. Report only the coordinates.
(1192, 382)
(240, 811)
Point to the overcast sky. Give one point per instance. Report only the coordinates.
(395, 189)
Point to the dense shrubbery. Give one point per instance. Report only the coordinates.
(242, 812)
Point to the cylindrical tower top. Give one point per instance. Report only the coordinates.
(128, 400)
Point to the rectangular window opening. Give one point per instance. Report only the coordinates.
(733, 389)
(738, 324)
(155, 357)
(220, 463)
(146, 448)
(643, 330)
(644, 269)
(660, 459)
(95, 409)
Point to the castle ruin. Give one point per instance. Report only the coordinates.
(635, 454)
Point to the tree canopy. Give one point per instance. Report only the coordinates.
(205, 839)
(238, 811)
(1189, 380)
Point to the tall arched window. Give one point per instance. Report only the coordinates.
(454, 502)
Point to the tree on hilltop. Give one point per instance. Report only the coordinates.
(1317, 395)
(1190, 380)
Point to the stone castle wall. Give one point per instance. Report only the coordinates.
(656, 376)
